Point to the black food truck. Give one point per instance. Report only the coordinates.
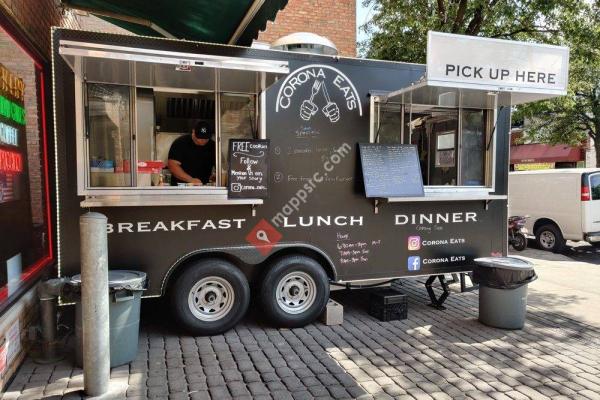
(326, 169)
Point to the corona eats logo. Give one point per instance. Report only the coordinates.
(331, 92)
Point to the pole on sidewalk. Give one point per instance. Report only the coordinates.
(94, 301)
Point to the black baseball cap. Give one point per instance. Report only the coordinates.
(203, 130)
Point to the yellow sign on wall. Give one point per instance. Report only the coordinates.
(533, 166)
(12, 85)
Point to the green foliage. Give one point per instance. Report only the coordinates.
(398, 31)
(576, 116)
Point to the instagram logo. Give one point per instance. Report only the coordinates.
(414, 243)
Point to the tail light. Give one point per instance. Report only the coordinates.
(585, 192)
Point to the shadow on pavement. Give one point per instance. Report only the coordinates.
(577, 251)
(444, 354)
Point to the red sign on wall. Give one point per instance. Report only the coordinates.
(10, 162)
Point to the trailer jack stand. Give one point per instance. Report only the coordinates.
(435, 301)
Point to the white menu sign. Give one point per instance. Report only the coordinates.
(499, 65)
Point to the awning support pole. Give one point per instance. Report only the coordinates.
(250, 14)
(95, 303)
(126, 18)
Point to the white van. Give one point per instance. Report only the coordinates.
(562, 204)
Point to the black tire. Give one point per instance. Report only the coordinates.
(201, 317)
(519, 242)
(550, 238)
(278, 305)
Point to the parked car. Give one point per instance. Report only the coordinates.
(562, 204)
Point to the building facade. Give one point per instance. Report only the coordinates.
(527, 155)
(26, 187)
(26, 248)
(333, 19)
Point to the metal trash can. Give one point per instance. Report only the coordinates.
(503, 290)
(124, 316)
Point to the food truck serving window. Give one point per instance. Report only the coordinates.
(454, 144)
(136, 111)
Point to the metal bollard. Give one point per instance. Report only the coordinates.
(95, 303)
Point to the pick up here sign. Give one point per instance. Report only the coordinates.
(498, 65)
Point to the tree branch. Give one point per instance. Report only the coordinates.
(460, 16)
(525, 30)
(475, 25)
(441, 11)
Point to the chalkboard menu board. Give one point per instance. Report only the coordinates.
(391, 170)
(248, 169)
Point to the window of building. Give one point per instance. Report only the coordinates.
(25, 243)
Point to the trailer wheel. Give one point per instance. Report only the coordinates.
(294, 291)
(210, 297)
(550, 238)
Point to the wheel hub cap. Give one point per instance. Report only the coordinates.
(211, 298)
(296, 292)
(547, 239)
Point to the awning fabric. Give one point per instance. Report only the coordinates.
(536, 153)
(223, 21)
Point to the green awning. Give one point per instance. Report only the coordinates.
(216, 21)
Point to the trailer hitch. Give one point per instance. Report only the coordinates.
(437, 302)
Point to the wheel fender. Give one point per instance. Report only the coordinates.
(246, 254)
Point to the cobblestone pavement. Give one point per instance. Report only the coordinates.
(433, 354)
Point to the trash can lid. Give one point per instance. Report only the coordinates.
(513, 263)
(120, 279)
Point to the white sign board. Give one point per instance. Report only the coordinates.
(497, 65)
(13, 341)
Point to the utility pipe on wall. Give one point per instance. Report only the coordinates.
(95, 303)
(48, 292)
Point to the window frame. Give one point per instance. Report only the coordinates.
(447, 192)
(589, 179)
(84, 187)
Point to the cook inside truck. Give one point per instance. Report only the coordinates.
(192, 157)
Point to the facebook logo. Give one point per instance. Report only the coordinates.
(414, 263)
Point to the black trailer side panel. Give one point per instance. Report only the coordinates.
(316, 197)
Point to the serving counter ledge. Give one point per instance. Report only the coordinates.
(164, 200)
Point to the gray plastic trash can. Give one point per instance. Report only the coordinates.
(503, 290)
(124, 316)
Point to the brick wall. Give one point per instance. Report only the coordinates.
(35, 17)
(90, 22)
(22, 315)
(334, 19)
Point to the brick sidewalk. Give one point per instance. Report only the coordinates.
(432, 354)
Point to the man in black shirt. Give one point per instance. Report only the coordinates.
(192, 157)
